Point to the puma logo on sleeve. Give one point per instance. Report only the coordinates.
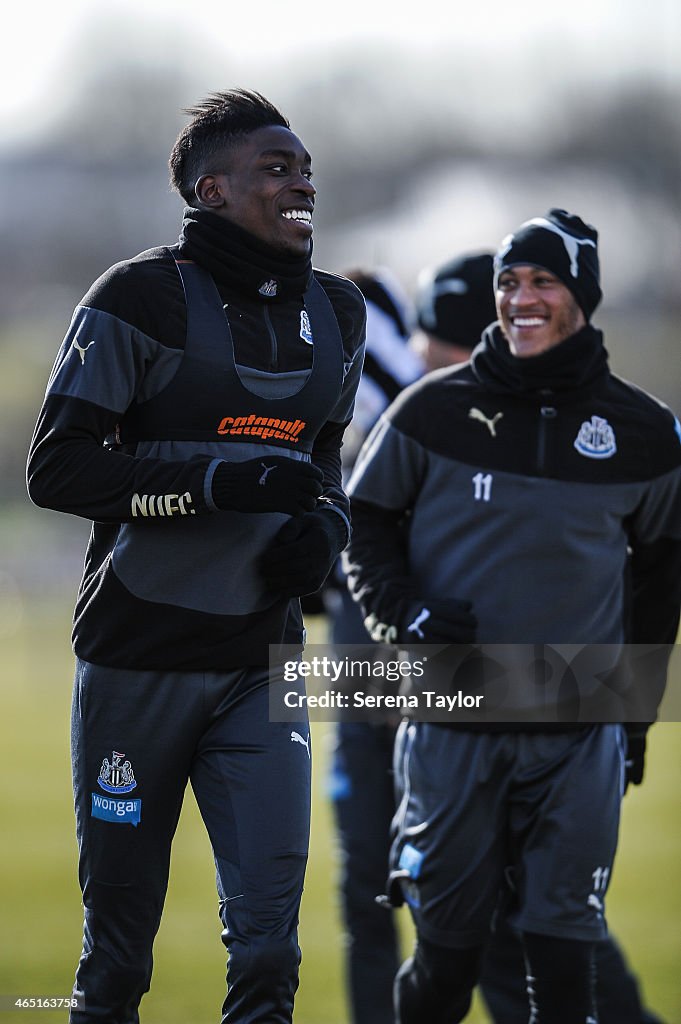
(81, 351)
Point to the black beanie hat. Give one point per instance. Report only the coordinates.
(455, 302)
(562, 243)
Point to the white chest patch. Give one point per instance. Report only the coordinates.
(596, 439)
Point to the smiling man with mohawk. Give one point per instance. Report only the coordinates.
(195, 413)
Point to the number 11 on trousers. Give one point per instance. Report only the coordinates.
(482, 484)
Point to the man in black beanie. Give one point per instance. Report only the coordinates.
(538, 503)
(454, 304)
(562, 243)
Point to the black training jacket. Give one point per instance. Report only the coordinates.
(151, 501)
(545, 491)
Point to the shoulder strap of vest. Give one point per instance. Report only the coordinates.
(317, 301)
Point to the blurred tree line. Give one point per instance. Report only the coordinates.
(94, 189)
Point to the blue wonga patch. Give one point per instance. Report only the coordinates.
(116, 810)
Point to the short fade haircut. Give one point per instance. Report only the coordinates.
(217, 124)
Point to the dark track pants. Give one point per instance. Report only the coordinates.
(364, 803)
(503, 982)
(137, 738)
(363, 799)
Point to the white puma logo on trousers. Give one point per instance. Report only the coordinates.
(297, 738)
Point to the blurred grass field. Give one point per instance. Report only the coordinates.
(41, 914)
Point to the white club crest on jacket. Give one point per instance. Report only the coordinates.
(596, 439)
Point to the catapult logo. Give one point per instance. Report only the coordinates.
(117, 778)
(262, 427)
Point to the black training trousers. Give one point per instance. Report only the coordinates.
(137, 739)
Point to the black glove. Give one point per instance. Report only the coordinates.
(439, 622)
(635, 758)
(272, 483)
(302, 553)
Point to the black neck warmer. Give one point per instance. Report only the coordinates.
(236, 258)
(576, 364)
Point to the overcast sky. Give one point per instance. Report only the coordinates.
(48, 51)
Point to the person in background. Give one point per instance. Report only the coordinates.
(453, 303)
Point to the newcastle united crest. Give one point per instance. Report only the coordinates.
(596, 439)
(116, 776)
